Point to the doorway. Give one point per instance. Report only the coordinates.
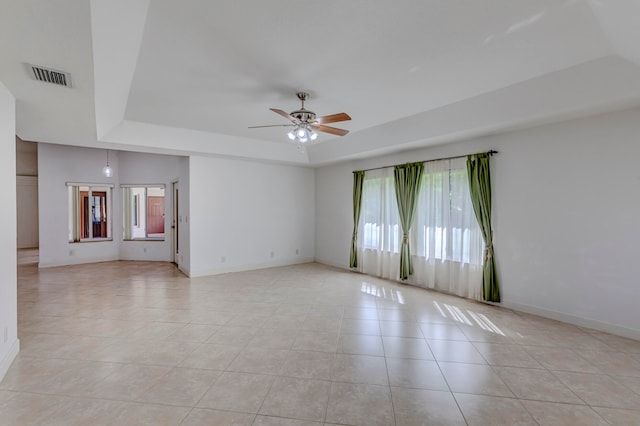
(27, 226)
(175, 220)
(93, 221)
(155, 216)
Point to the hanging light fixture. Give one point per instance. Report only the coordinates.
(305, 125)
(302, 133)
(107, 171)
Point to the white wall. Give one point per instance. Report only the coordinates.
(27, 193)
(242, 212)
(27, 209)
(59, 164)
(184, 235)
(26, 158)
(566, 217)
(9, 344)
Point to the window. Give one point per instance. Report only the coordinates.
(144, 215)
(445, 226)
(379, 220)
(445, 238)
(444, 223)
(89, 212)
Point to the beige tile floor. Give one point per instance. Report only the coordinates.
(126, 343)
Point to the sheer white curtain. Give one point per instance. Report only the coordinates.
(448, 243)
(446, 240)
(378, 232)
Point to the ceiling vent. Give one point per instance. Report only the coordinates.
(49, 76)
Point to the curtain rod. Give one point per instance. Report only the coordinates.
(492, 152)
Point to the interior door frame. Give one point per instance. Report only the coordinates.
(175, 222)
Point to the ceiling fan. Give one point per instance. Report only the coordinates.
(306, 124)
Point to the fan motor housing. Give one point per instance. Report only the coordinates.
(303, 115)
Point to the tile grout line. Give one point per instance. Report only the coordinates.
(386, 366)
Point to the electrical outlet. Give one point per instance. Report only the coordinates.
(72, 253)
(6, 334)
(144, 249)
(272, 254)
(297, 252)
(223, 259)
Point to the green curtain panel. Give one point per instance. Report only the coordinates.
(358, 178)
(480, 191)
(407, 185)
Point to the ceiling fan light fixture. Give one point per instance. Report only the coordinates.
(306, 125)
(302, 133)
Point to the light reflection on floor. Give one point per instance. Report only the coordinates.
(382, 292)
(454, 312)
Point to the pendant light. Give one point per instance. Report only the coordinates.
(107, 171)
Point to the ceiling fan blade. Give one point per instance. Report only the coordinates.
(329, 129)
(333, 118)
(271, 125)
(284, 114)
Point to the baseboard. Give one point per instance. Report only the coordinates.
(250, 267)
(575, 320)
(185, 270)
(80, 261)
(143, 259)
(5, 362)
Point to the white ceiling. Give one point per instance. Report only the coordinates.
(189, 77)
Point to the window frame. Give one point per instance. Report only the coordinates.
(135, 211)
(447, 248)
(75, 221)
(372, 232)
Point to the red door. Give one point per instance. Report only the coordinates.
(155, 215)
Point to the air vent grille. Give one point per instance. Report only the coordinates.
(49, 75)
